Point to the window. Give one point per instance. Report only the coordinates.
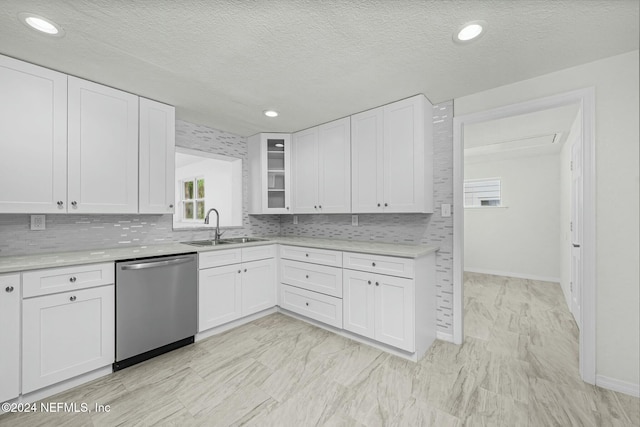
(482, 192)
(193, 199)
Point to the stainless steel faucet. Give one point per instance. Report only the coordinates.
(206, 221)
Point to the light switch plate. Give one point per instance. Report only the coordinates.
(295, 219)
(445, 210)
(354, 220)
(38, 222)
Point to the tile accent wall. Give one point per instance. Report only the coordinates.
(79, 232)
(429, 229)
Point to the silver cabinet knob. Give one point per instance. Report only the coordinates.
(315, 207)
(319, 206)
(239, 271)
(307, 255)
(73, 298)
(245, 270)
(378, 204)
(74, 204)
(59, 203)
(287, 207)
(377, 284)
(170, 206)
(72, 279)
(306, 276)
(386, 204)
(9, 289)
(368, 282)
(307, 303)
(373, 264)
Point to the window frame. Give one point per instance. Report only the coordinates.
(500, 198)
(194, 200)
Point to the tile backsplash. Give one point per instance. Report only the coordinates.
(79, 232)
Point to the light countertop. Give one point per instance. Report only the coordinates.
(18, 263)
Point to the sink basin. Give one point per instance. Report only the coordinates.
(206, 242)
(243, 240)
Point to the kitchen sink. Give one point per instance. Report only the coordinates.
(243, 240)
(206, 242)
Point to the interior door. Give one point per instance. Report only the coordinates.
(576, 227)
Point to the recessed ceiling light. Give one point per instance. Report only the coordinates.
(279, 145)
(469, 31)
(270, 113)
(41, 24)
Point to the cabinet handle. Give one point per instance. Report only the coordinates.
(9, 289)
(287, 207)
(245, 270)
(307, 255)
(378, 204)
(307, 303)
(59, 203)
(386, 204)
(373, 264)
(74, 204)
(72, 279)
(377, 284)
(319, 206)
(307, 276)
(73, 298)
(170, 206)
(315, 207)
(368, 282)
(239, 271)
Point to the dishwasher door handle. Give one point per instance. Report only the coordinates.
(154, 264)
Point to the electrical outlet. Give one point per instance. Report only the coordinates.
(354, 220)
(38, 222)
(445, 209)
(295, 219)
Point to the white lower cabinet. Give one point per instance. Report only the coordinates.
(66, 335)
(321, 307)
(9, 336)
(379, 307)
(233, 291)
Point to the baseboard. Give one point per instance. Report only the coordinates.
(617, 385)
(512, 274)
(444, 336)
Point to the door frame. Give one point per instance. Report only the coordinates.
(586, 98)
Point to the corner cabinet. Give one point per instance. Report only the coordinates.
(33, 138)
(270, 173)
(322, 168)
(392, 158)
(157, 157)
(103, 149)
(9, 336)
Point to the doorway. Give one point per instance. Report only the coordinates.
(582, 257)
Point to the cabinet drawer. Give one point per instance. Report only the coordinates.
(317, 256)
(54, 280)
(401, 267)
(322, 308)
(255, 253)
(218, 258)
(318, 278)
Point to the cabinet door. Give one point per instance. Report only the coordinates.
(65, 335)
(334, 166)
(394, 316)
(366, 161)
(305, 171)
(103, 149)
(9, 336)
(358, 303)
(276, 173)
(157, 157)
(219, 296)
(33, 138)
(258, 286)
(404, 156)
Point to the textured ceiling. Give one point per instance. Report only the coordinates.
(222, 62)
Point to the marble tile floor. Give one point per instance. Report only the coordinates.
(518, 367)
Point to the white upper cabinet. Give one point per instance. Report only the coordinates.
(102, 149)
(269, 173)
(157, 157)
(322, 168)
(392, 157)
(33, 138)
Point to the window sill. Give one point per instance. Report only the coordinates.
(486, 207)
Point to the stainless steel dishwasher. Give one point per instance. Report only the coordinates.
(156, 307)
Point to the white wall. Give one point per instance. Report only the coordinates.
(521, 239)
(617, 186)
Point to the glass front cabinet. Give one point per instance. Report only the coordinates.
(269, 173)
